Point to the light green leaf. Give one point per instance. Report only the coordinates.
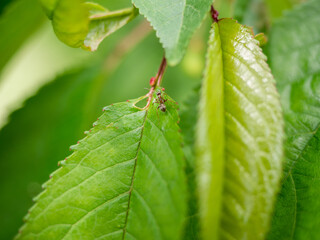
(175, 22)
(28, 20)
(294, 56)
(84, 24)
(124, 180)
(239, 137)
(103, 23)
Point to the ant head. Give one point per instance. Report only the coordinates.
(158, 94)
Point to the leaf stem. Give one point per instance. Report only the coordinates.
(105, 15)
(161, 71)
(157, 82)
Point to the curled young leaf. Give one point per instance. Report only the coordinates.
(124, 180)
(84, 24)
(239, 137)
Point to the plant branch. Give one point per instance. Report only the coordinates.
(161, 71)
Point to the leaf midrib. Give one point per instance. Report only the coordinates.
(133, 174)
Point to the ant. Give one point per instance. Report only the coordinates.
(161, 102)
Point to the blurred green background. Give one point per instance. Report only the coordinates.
(50, 93)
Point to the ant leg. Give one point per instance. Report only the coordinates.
(168, 99)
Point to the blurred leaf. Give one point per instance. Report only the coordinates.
(4, 4)
(103, 23)
(239, 137)
(294, 56)
(188, 122)
(85, 24)
(225, 7)
(15, 30)
(240, 9)
(276, 8)
(175, 21)
(253, 13)
(70, 21)
(262, 39)
(27, 158)
(104, 180)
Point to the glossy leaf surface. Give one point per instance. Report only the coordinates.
(294, 55)
(125, 175)
(239, 137)
(84, 24)
(174, 21)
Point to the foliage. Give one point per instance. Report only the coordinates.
(239, 137)
(117, 154)
(84, 24)
(243, 162)
(295, 63)
(30, 18)
(186, 16)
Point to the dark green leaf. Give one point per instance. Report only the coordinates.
(4, 4)
(239, 137)
(125, 175)
(19, 20)
(175, 22)
(294, 56)
(188, 122)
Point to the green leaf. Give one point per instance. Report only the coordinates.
(84, 24)
(277, 8)
(239, 137)
(252, 13)
(188, 122)
(71, 104)
(294, 56)
(125, 175)
(175, 22)
(4, 4)
(31, 144)
(103, 23)
(28, 20)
